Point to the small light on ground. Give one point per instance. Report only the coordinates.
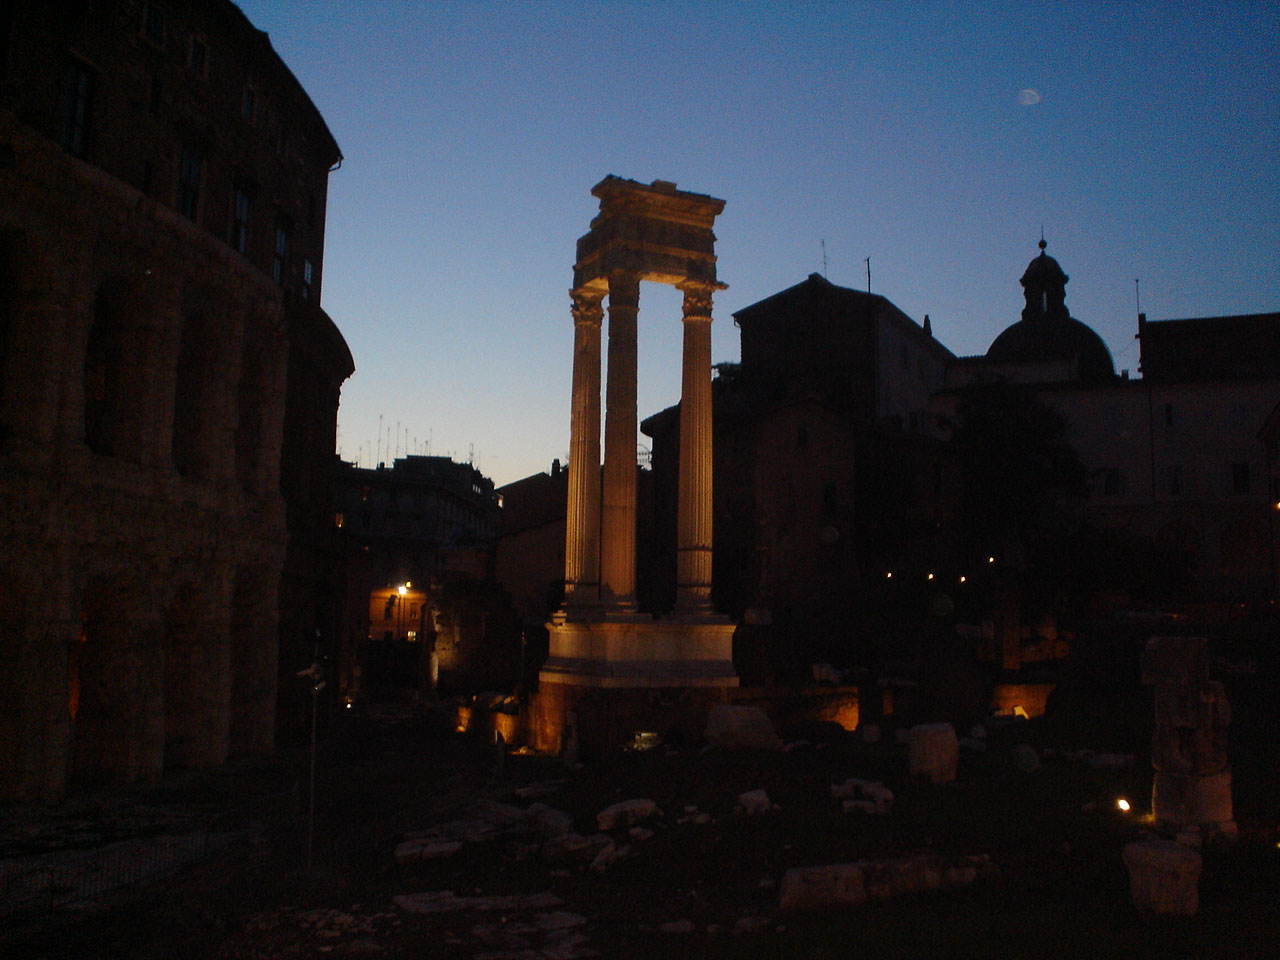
(930, 577)
(991, 559)
(963, 579)
(889, 575)
(1122, 805)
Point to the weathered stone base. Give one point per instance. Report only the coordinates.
(567, 718)
(609, 676)
(1164, 877)
(627, 651)
(1203, 802)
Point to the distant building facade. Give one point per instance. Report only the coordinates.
(1176, 459)
(168, 385)
(421, 534)
(828, 465)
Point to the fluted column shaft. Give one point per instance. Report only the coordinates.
(618, 516)
(693, 516)
(582, 527)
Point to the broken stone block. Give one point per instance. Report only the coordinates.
(1189, 706)
(1191, 800)
(547, 822)
(1175, 660)
(1164, 877)
(408, 852)
(626, 813)
(891, 878)
(741, 728)
(411, 851)
(574, 847)
(677, 926)
(813, 888)
(933, 752)
(608, 856)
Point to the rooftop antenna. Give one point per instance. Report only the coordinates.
(1137, 295)
(824, 257)
(868, 274)
(377, 454)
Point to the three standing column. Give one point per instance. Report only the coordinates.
(600, 537)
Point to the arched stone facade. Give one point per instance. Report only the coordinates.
(145, 362)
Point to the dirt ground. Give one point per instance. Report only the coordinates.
(702, 879)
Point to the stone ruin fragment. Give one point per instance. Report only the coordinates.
(1192, 789)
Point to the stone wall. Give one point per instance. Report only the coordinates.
(149, 354)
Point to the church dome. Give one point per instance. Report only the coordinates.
(1047, 333)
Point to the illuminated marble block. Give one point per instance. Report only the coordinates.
(933, 752)
(1164, 877)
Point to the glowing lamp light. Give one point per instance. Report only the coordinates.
(991, 559)
(963, 579)
(929, 577)
(1122, 805)
(889, 575)
(402, 590)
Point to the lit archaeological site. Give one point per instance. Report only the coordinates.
(645, 493)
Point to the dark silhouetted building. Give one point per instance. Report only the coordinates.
(168, 391)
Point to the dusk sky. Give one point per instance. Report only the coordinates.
(936, 139)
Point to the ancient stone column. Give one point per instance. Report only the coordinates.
(618, 516)
(693, 517)
(582, 529)
(1191, 790)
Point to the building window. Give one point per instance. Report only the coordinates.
(198, 58)
(1173, 479)
(1240, 477)
(306, 279)
(240, 220)
(190, 169)
(248, 103)
(280, 252)
(75, 110)
(830, 502)
(1111, 481)
(153, 24)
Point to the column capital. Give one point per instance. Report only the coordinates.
(697, 298)
(587, 305)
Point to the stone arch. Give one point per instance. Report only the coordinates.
(114, 379)
(115, 686)
(192, 400)
(1243, 558)
(197, 689)
(1178, 551)
(33, 714)
(253, 653)
(8, 307)
(251, 394)
(30, 339)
